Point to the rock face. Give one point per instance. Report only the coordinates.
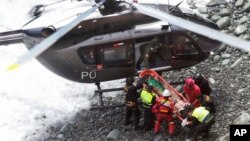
(228, 73)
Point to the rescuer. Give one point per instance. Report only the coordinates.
(200, 120)
(164, 110)
(131, 102)
(148, 98)
(202, 83)
(192, 92)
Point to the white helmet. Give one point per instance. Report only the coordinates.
(166, 93)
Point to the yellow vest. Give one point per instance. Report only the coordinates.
(147, 97)
(200, 113)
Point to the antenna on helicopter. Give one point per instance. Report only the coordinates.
(168, 5)
(173, 8)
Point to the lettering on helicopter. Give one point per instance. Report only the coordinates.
(91, 74)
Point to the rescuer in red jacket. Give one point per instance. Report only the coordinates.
(192, 92)
(163, 110)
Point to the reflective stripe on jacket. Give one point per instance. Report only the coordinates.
(200, 113)
(163, 105)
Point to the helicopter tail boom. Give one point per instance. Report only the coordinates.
(11, 37)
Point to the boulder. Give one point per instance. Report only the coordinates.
(202, 9)
(215, 18)
(224, 138)
(246, 7)
(240, 29)
(244, 118)
(211, 80)
(225, 62)
(243, 19)
(225, 56)
(224, 12)
(216, 58)
(114, 134)
(239, 3)
(223, 22)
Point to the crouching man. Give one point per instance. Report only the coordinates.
(200, 120)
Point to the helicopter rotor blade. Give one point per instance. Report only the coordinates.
(49, 41)
(194, 27)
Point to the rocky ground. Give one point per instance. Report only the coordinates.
(228, 71)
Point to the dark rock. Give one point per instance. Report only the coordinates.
(158, 137)
(224, 12)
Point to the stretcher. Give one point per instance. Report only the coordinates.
(160, 84)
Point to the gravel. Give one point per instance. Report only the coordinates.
(229, 75)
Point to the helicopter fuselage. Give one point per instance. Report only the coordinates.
(108, 44)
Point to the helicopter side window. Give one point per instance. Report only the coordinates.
(88, 56)
(118, 55)
(183, 46)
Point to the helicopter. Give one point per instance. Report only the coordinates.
(106, 44)
(101, 40)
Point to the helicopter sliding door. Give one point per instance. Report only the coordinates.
(154, 53)
(117, 60)
(185, 51)
(109, 61)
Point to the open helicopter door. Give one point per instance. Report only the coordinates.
(110, 60)
(185, 51)
(154, 54)
(117, 59)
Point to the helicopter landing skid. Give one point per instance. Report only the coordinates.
(100, 92)
(106, 107)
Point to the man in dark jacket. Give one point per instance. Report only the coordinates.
(131, 102)
(203, 84)
(205, 98)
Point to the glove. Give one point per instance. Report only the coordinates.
(184, 122)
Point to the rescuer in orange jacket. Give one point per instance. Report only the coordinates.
(163, 110)
(192, 92)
